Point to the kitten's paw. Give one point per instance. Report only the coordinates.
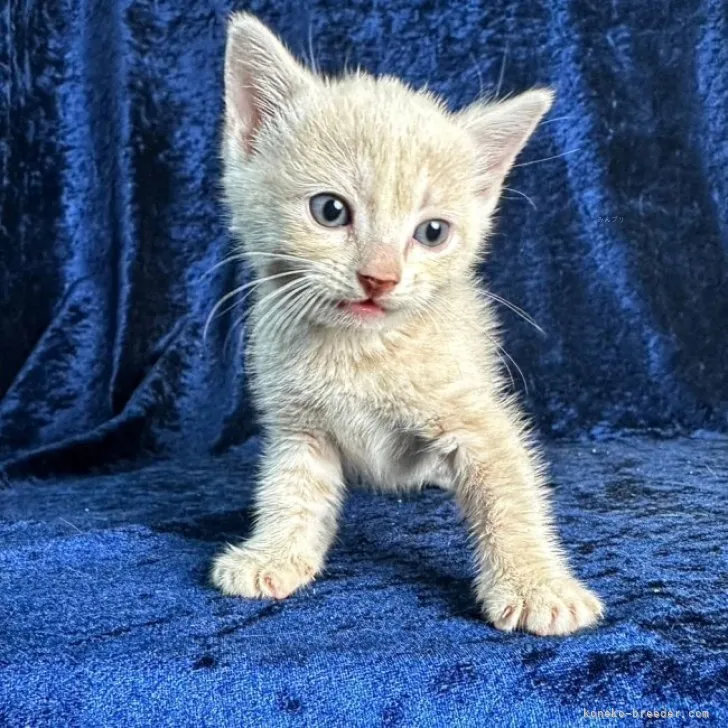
(246, 572)
(556, 607)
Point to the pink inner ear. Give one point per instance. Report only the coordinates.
(501, 130)
(498, 165)
(243, 116)
(498, 160)
(261, 75)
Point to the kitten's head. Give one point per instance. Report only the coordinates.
(363, 199)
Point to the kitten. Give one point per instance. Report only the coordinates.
(362, 207)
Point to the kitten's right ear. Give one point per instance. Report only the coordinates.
(261, 76)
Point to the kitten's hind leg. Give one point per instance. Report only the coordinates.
(297, 503)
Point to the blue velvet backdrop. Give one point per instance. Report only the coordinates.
(110, 212)
(110, 227)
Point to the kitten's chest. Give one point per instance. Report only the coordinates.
(377, 418)
(379, 437)
(379, 410)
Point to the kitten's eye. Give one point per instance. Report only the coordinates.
(330, 210)
(432, 233)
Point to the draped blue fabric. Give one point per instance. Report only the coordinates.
(127, 440)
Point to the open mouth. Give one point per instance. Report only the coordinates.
(362, 309)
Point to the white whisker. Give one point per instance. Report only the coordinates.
(258, 326)
(480, 76)
(260, 304)
(253, 286)
(502, 72)
(237, 291)
(502, 349)
(314, 65)
(558, 118)
(324, 269)
(301, 313)
(229, 334)
(225, 261)
(282, 317)
(546, 159)
(506, 367)
(522, 194)
(516, 309)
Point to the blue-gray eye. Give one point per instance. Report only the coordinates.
(432, 233)
(329, 210)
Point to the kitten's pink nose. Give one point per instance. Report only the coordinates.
(374, 286)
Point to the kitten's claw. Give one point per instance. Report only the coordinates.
(246, 572)
(557, 607)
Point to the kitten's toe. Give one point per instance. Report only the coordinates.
(245, 572)
(557, 607)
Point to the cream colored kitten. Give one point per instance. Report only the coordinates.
(362, 206)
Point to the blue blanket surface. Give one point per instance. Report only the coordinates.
(128, 443)
(108, 618)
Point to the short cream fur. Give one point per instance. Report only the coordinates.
(413, 396)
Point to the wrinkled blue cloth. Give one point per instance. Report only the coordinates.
(111, 243)
(106, 618)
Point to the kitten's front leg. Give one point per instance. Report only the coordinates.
(297, 503)
(523, 579)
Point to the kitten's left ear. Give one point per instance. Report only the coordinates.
(261, 77)
(501, 130)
